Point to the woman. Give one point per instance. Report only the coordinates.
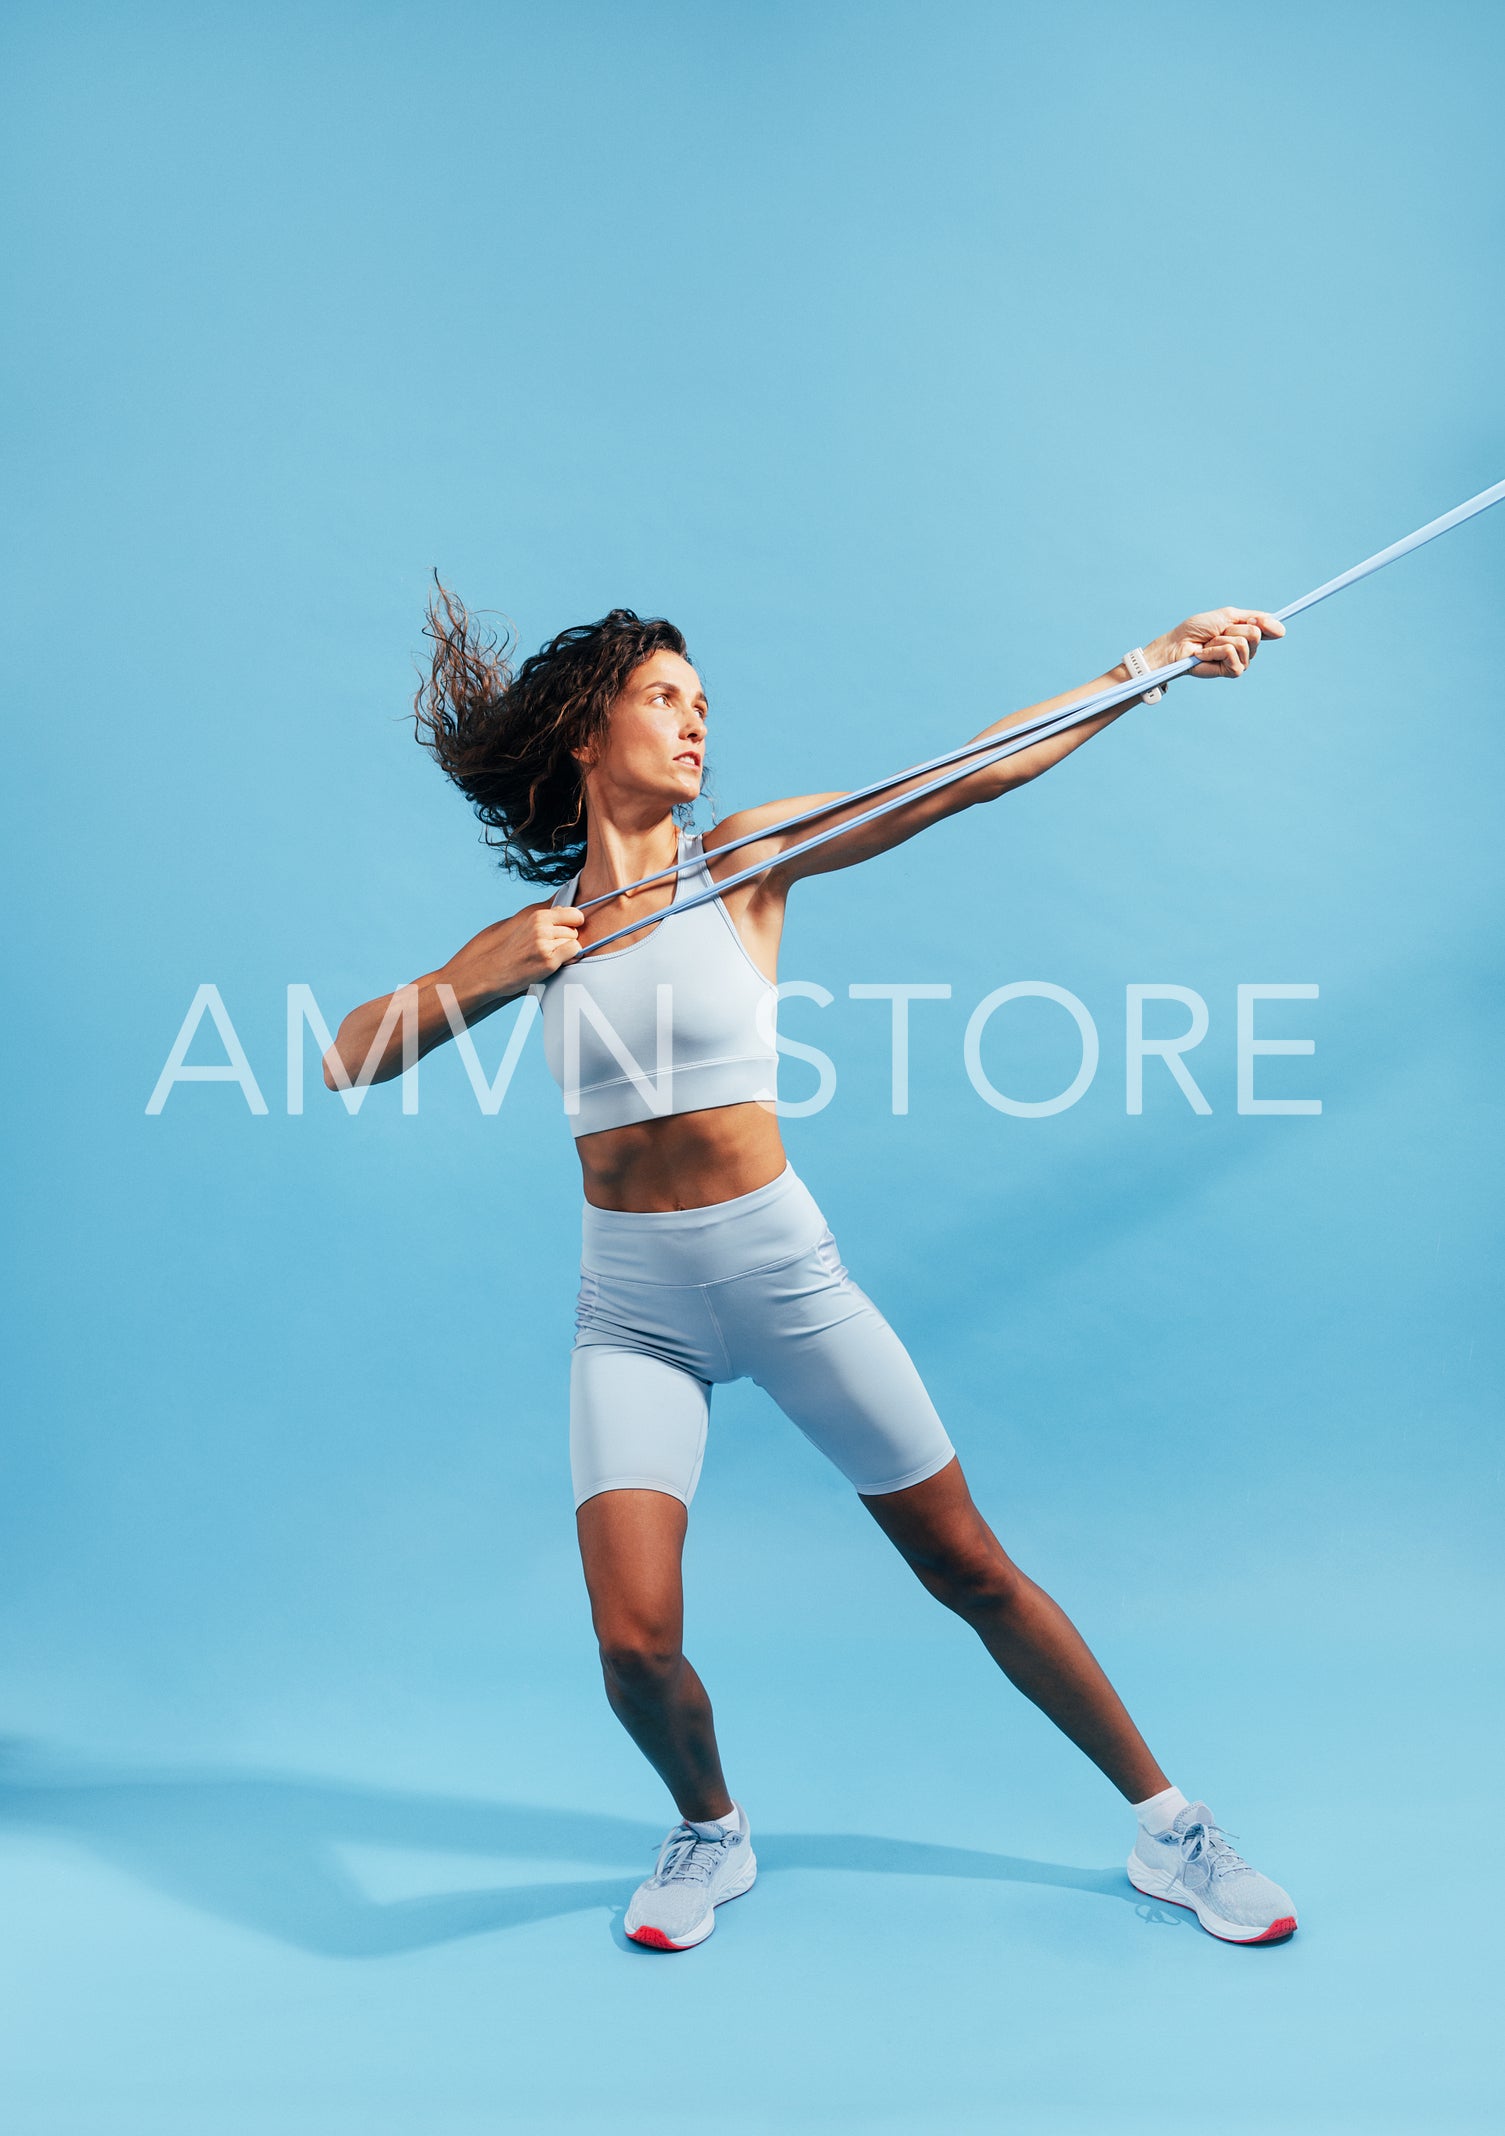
(705, 1259)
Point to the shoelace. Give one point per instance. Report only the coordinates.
(1213, 1843)
(687, 1858)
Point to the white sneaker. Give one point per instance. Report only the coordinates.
(1193, 1865)
(676, 1908)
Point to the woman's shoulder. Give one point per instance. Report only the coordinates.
(770, 817)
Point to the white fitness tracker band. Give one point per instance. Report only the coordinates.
(1137, 665)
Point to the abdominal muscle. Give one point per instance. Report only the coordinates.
(687, 1161)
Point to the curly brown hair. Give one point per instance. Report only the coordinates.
(507, 739)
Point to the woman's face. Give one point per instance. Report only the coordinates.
(655, 739)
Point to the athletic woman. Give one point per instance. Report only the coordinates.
(705, 1258)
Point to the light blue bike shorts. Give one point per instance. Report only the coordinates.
(674, 1302)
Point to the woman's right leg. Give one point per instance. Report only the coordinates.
(631, 1545)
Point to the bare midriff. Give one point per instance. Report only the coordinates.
(687, 1161)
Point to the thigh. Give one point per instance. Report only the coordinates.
(631, 1545)
(636, 1423)
(935, 1525)
(836, 1368)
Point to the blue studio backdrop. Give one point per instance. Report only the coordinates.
(918, 361)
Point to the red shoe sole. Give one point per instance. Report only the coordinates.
(1275, 1933)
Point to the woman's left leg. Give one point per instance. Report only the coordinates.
(1180, 1855)
(939, 1532)
(806, 1333)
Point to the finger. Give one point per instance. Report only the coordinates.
(1244, 619)
(569, 916)
(1255, 625)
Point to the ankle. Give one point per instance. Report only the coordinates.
(1158, 1812)
(708, 1822)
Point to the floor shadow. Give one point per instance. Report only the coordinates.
(264, 1851)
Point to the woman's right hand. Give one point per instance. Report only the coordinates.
(511, 955)
(494, 967)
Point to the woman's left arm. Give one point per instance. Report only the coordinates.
(1225, 640)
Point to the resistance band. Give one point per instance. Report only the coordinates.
(992, 749)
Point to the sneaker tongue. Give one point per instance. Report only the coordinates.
(1195, 1813)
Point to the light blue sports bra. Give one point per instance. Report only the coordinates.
(679, 1021)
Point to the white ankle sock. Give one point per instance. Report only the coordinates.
(717, 1827)
(1159, 1812)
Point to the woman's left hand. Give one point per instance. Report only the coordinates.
(1225, 640)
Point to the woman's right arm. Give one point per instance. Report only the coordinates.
(493, 968)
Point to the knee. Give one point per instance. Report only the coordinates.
(975, 1581)
(638, 1661)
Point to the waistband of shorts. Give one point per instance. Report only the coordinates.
(684, 1246)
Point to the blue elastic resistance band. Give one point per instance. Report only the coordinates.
(994, 748)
